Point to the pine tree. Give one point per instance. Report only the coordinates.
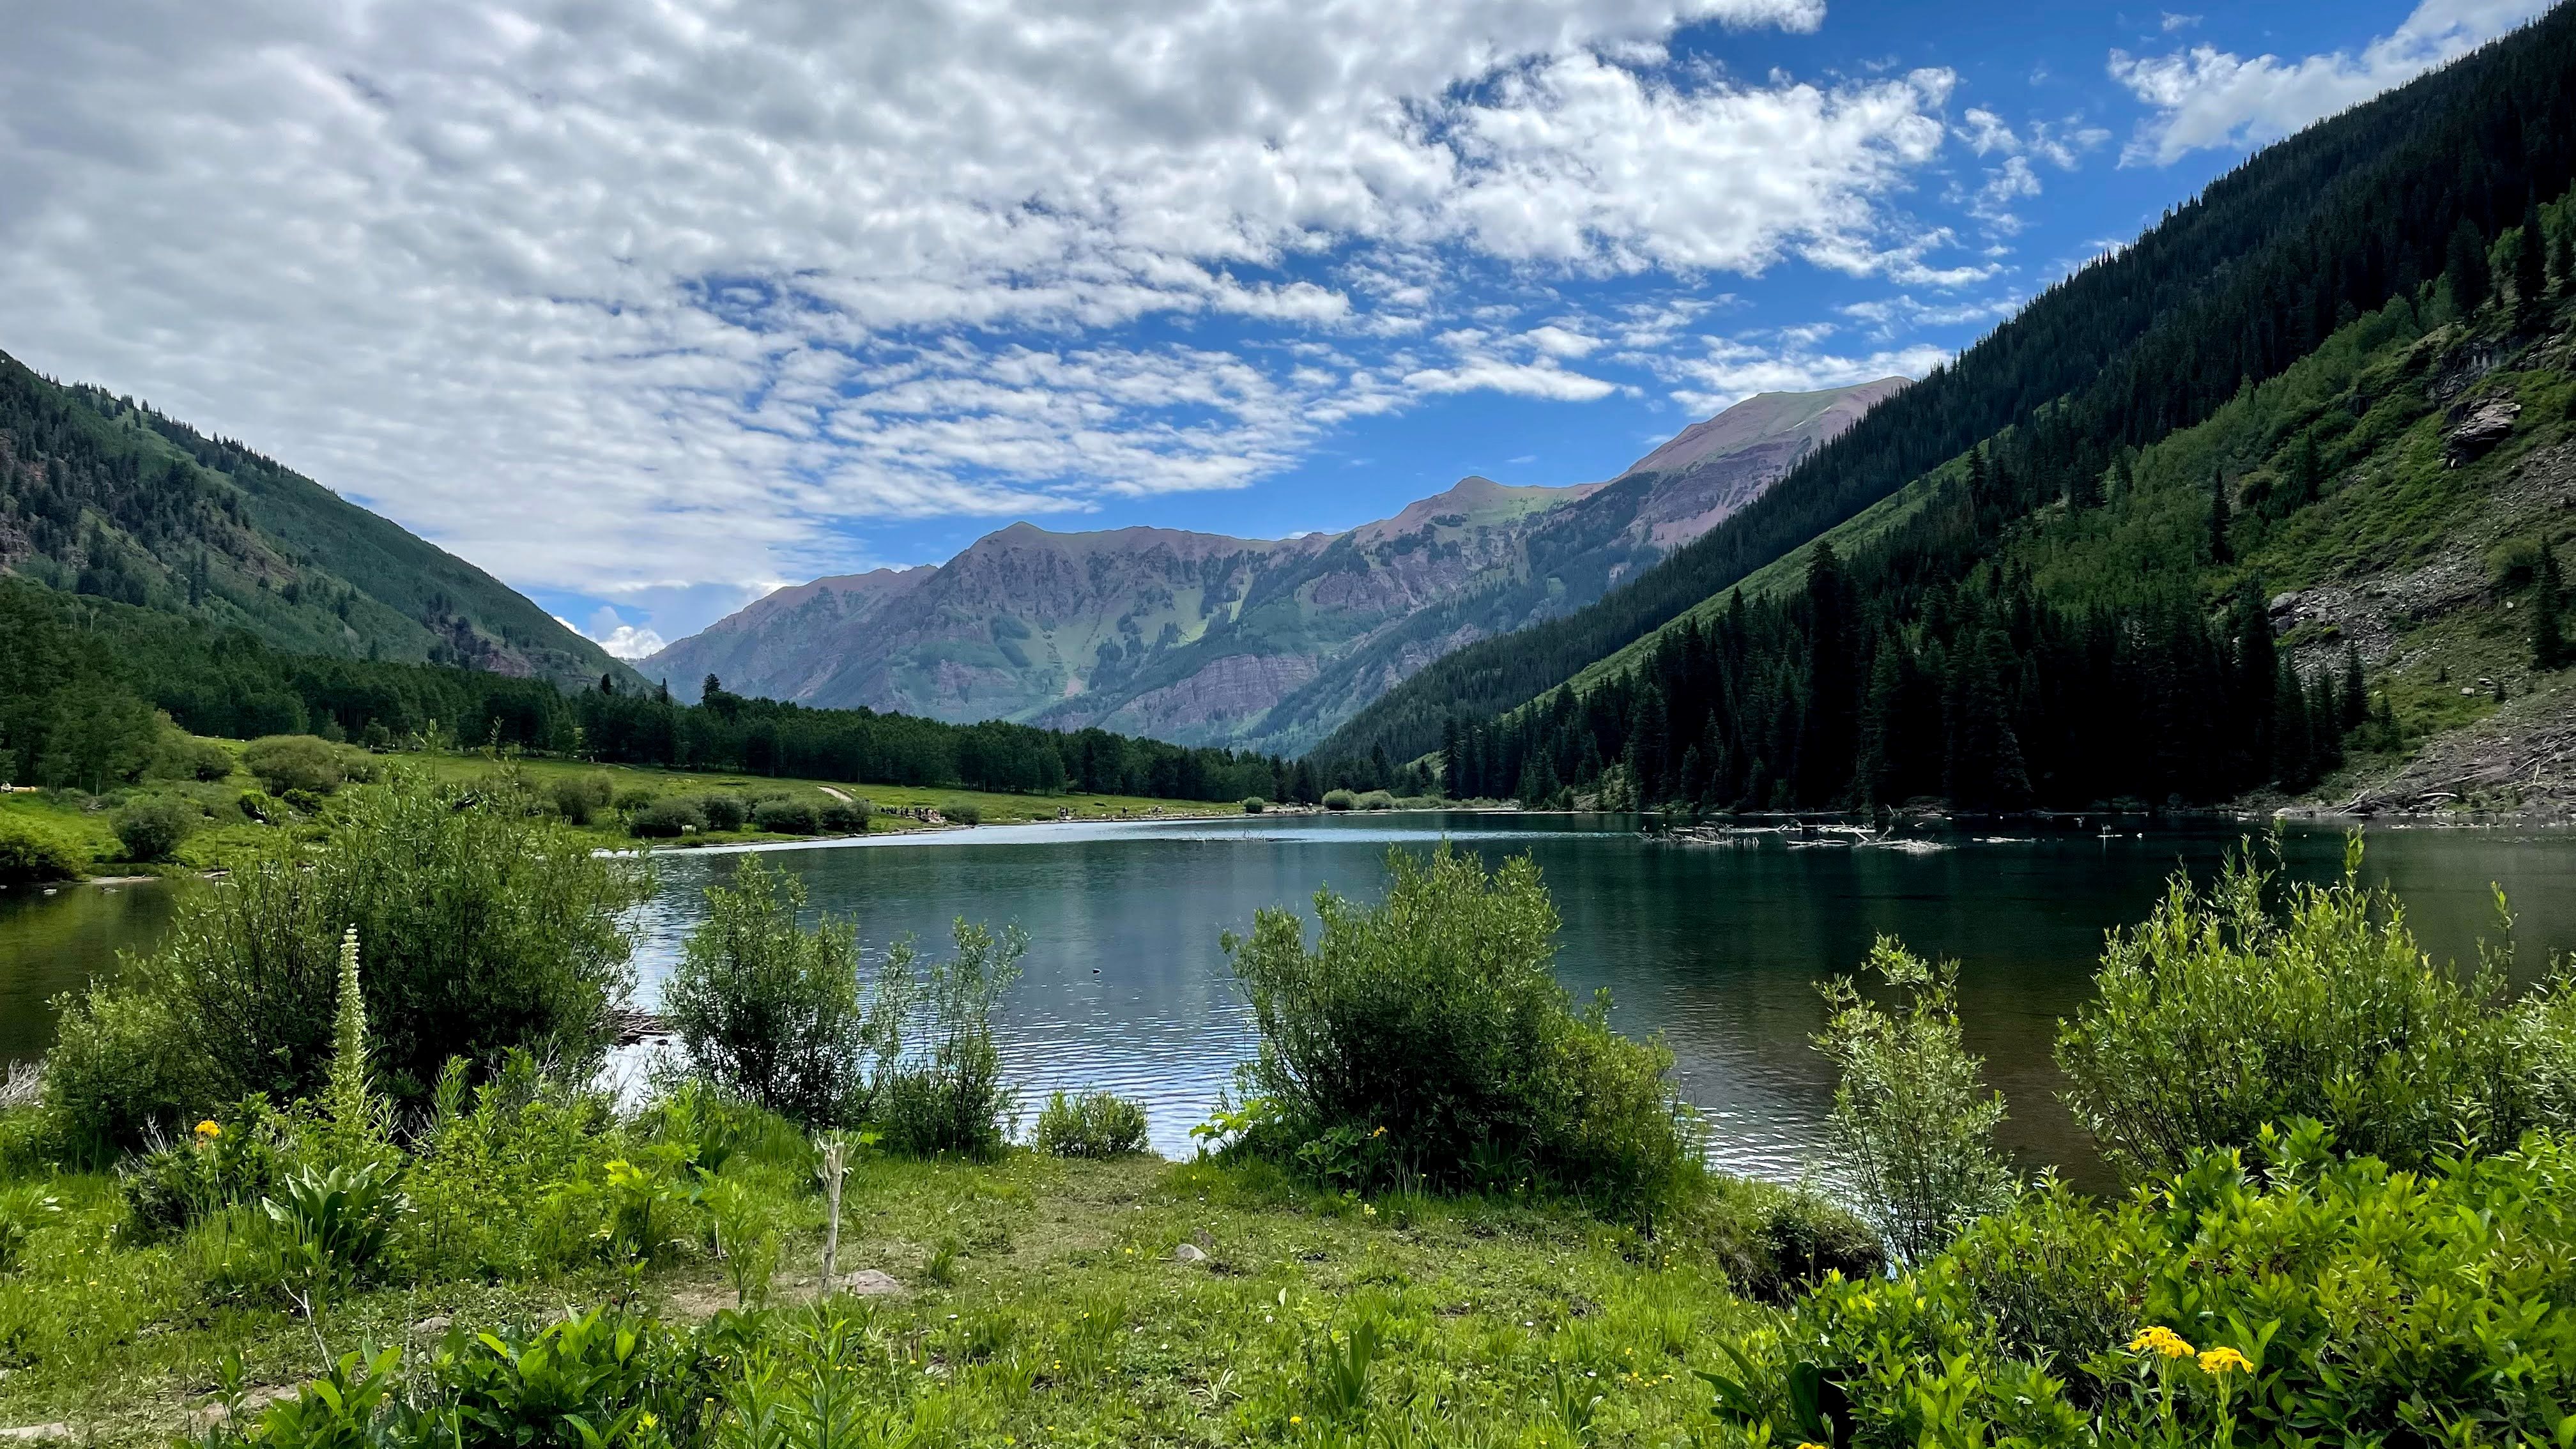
(2220, 518)
(2529, 275)
(2292, 741)
(2466, 266)
(2356, 690)
(2548, 635)
(2307, 474)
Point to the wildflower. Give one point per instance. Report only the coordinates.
(2217, 1361)
(2156, 1338)
(209, 1130)
(648, 1421)
(1381, 1132)
(1811, 1446)
(1296, 1418)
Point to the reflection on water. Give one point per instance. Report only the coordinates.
(1717, 947)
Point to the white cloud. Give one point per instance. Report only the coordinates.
(635, 301)
(2174, 22)
(2206, 97)
(1733, 369)
(619, 639)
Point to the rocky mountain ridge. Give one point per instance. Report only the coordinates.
(1268, 643)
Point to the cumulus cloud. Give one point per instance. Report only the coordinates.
(2206, 97)
(629, 299)
(619, 639)
(1735, 368)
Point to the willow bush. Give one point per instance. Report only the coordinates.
(2217, 1017)
(1427, 1036)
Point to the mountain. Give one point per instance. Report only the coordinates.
(104, 496)
(2272, 501)
(1263, 643)
(2396, 200)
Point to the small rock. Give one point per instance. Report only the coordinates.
(1189, 1253)
(872, 1283)
(434, 1323)
(35, 1433)
(2479, 427)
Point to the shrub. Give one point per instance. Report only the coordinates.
(962, 812)
(578, 797)
(1090, 1124)
(1776, 1242)
(1913, 1132)
(1377, 800)
(776, 1014)
(2214, 1020)
(784, 817)
(723, 812)
(2297, 1296)
(1254, 804)
(29, 852)
(122, 1064)
(634, 798)
(1340, 800)
(951, 1097)
(845, 817)
(286, 763)
(183, 757)
(1430, 1032)
(666, 818)
(152, 829)
(487, 927)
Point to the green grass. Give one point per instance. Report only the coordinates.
(1065, 1317)
(226, 834)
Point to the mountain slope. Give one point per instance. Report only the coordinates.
(1268, 644)
(102, 496)
(2227, 290)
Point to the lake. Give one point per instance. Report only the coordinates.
(1716, 946)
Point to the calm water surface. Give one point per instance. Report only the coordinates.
(1717, 947)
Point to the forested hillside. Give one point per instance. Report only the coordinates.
(88, 675)
(2226, 292)
(104, 496)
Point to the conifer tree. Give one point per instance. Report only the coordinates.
(2466, 266)
(2529, 276)
(2548, 634)
(2220, 517)
(2356, 690)
(2292, 741)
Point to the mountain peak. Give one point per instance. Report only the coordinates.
(1764, 416)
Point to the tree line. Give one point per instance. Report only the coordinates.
(88, 675)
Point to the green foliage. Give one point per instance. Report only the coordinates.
(331, 1227)
(578, 797)
(1377, 800)
(949, 1096)
(784, 817)
(1254, 804)
(2310, 1295)
(723, 812)
(962, 812)
(152, 828)
(24, 1208)
(1432, 1026)
(666, 817)
(182, 757)
(1776, 1242)
(779, 1015)
(1911, 1127)
(488, 928)
(287, 763)
(31, 853)
(844, 817)
(604, 1377)
(1340, 800)
(235, 1156)
(1090, 1124)
(2216, 1018)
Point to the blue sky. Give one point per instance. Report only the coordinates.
(649, 310)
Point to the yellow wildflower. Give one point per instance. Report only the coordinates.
(210, 1129)
(2218, 1361)
(1296, 1418)
(1811, 1446)
(2157, 1338)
